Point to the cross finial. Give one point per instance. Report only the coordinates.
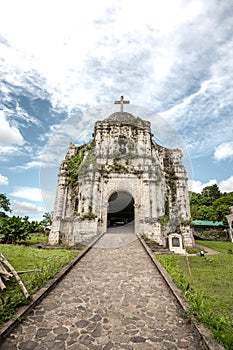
(121, 102)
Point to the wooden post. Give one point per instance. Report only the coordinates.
(6, 275)
(188, 264)
(28, 271)
(2, 285)
(14, 273)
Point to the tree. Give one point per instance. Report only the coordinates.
(204, 212)
(14, 229)
(211, 204)
(195, 199)
(221, 208)
(4, 205)
(48, 217)
(36, 227)
(209, 194)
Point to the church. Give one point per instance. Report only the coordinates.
(121, 177)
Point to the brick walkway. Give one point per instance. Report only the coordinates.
(114, 298)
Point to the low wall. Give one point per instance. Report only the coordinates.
(152, 230)
(74, 231)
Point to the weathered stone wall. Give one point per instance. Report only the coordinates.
(76, 230)
(121, 157)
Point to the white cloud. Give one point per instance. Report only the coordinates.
(29, 165)
(3, 180)
(106, 47)
(226, 185)
(165, 56)
(223, 151)
(33, 164)
(7, 151)
(197, 186)
(9, 135)
(29, 193)
(25, 208)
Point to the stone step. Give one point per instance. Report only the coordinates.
(163, 251)
(157, 248)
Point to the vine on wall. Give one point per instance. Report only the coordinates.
(73, 167)
(171, 177)
(77, 162)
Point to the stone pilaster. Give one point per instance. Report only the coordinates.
(59, 207)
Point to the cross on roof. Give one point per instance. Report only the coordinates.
(121, 102)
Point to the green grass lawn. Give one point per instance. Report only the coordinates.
(219, 246)
(210, 290)
(214, 274)
(23, 258)
(36, 238)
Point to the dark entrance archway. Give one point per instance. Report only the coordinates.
(121, 210)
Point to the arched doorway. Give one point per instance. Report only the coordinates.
(121, 210)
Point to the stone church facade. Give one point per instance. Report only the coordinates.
(122, 174)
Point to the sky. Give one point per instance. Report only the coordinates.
(64, 63)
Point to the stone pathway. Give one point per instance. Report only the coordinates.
(208, 250)
(113, 299)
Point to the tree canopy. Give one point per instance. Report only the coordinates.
(48, 217)
(4, 205)
(211, 204)
(15, 228)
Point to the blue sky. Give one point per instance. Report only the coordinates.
(63, 63)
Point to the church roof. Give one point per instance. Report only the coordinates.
(121, 117)
(126, 118)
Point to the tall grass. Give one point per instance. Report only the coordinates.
(49, 262)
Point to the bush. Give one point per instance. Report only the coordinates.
(14, 229)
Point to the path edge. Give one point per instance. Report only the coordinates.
(204, 333)
(43, 292)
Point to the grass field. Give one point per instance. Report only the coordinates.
(36, 238)
(27, 258)
(209, 289)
